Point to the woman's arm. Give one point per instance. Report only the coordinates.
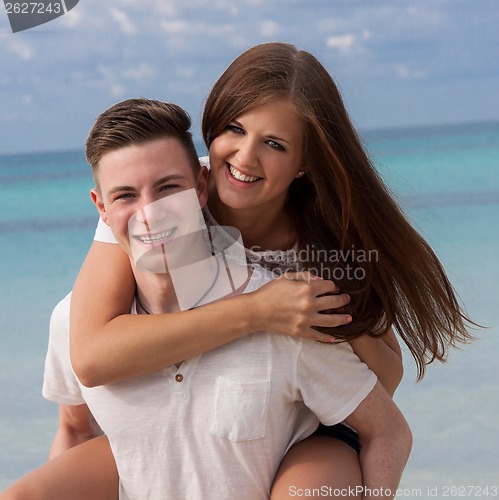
(383, 356)
(82, 472)
(109, 345)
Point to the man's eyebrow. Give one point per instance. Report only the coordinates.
(118, 189)
(168, 178)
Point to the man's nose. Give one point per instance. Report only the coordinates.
(151, 211)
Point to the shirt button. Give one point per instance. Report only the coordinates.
(179, 378)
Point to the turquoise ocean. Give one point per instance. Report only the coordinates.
(447, 180)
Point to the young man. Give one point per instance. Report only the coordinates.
(216, 425)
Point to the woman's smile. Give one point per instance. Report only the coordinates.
(237, 174)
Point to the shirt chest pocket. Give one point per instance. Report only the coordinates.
(240, 409)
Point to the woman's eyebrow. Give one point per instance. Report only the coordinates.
(280, 139)
(272, 137)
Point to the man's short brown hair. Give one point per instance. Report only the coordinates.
(136, 121)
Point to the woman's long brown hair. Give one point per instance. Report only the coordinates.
(350, 228)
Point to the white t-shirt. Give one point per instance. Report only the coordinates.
(219, 424)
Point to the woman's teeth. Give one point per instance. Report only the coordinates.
(242, 177)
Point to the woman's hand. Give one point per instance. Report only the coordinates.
(292, 304)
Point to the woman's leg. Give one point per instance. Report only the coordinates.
(87, 471)
(323, 463)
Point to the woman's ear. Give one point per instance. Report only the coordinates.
(202, 186)
(97, 200)
(303, 170)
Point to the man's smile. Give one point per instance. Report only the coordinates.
(156, 238)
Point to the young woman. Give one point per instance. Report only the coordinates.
(287, 170)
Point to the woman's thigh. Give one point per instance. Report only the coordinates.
(87, 471)
(325, 464)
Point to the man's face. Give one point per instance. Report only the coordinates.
(132, 178)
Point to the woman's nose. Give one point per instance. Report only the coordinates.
(247, 155)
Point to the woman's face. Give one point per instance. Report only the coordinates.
(256, 158)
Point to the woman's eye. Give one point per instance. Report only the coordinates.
(275, 145)
(235, 129)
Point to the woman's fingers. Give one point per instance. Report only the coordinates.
(327, 302)
(316, 281)
(331, 320)
(317, 285)
(312, 334)
(294, 305)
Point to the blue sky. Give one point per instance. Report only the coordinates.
(397, 62)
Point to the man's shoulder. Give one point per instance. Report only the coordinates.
(259, 277)
(205, 161)
(64, 304)
(60, 313)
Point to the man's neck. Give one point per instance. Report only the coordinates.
(155, 293)
(192, 286)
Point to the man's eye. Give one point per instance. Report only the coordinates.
(124, 196)
(169, 187)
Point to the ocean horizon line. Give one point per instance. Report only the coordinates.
(369, 133)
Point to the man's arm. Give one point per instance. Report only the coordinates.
(386, 442)
(76, 425)
(383, 356)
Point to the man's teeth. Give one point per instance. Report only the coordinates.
(152, 238)
(242, 177)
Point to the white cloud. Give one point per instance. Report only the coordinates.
(269, 29)
(125, 24)
(178, 27)
(117, 90)
(108, 81)
(9, 118)
(406, 73)
(328, 24)
(22, 49)
(72, 18)
(198, 30)
(343, 43)
(142, 72)
(185, 72)
(165, 7)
